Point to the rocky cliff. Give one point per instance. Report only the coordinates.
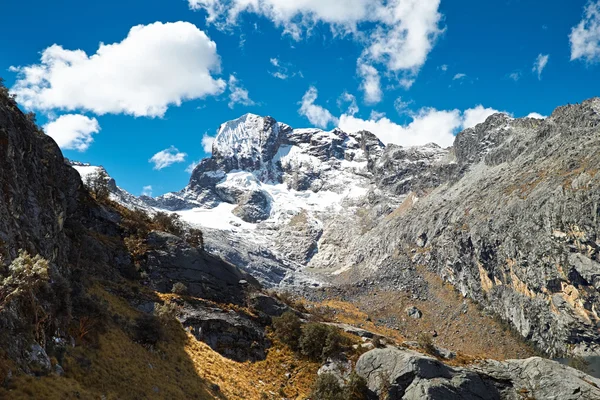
(515, 226)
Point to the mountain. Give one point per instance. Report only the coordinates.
(267, 182)
(508, 215)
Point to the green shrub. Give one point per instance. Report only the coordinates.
(180, 289)
(170, 223)
(425, 341)
(195, 238)
(97, 184)
(166, 312)
(320, 342)
(147, 330)
(356, 387)
(287, 328)
(327, 387)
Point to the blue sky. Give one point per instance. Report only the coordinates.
(442, 66)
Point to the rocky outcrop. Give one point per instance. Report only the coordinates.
(171, 260)
(405, 374)
(234, 335)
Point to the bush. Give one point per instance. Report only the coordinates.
(179, 288)
(97, 184)
(166, 312)
(195, 238)
(288, 329)
(147, 330)
(327, 387)
(170, 223)
(356, 387)
(425, 342)
(320, 342)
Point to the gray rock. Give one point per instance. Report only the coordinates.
(341, 369)
(405, 374)
(267, 305)
(413, 312)
(171, 260)
(38, 360)
(232, 334)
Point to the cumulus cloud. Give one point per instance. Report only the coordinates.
(428, 125)
(73, 131)
(536, 116)
(397, 35)
(476, 115)
(237, 94)
(317, 115)
(371, 83)
(147, 191)
(207, 143)
(154, 67)
(167, 157)
(585, 37)
(540, 63)
(459, 76)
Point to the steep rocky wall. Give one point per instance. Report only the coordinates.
(519, 232)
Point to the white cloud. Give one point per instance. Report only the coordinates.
(401, 106)
(72, 131)
(427, 125)
(348, 98)
(371, 84)
(154, 67)
(167, 157)
(147, 191)
(444, 67)
(536, 116)
(585, 37)
(515, 76)
(207, 143)
(190, 168)
(477, 115)
(396, 34)
(317, 115)
(238, 95)
(459, 76)
(376, 115)
(540, 63)
(284, 70)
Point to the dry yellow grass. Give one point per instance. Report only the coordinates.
(179, 367)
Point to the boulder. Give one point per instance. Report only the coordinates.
(413, 312)
(406, 374)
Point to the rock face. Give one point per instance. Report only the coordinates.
(516, 227)
(171, 260)
(408, 375)
(233, 335)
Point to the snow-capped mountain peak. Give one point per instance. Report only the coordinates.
(248, 142)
